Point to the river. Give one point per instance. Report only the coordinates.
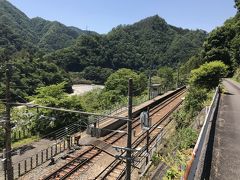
(79, 89)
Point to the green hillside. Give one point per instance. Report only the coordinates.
(20, 32)
(15, 31)
(54, 35)
(149, 42)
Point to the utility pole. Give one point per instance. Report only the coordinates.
(177, 75)
(8, 155)
(129, 130)
(147, 148)
(149, 86)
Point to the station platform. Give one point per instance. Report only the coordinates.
(109, 124)
(225, 162)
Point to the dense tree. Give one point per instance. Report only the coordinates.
(20, 32)
(97, 74)
(54, 96)
(149, 42)
(237, 5)
(193, 103)
(30, 73)
(167, 77)
(221, 44)
(118, 82)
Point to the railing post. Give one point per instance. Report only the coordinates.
(31, 163)
(36, 159)
(51, 151)
(19, 169)
(55, 149)
(47, 154)
(42, 156)
(25, 166)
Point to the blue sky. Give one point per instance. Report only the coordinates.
(102, 15)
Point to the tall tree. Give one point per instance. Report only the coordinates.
(118, 82)
(237, 5)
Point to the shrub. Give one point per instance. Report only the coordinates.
(208, 75)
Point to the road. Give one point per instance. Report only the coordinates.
(226, 149)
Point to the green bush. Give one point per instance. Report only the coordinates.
(54, 96)
(188, 138)
(208, 75)
(194, 102)
(237, 75)
(118, 82)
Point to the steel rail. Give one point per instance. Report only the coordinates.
(75, 168)
(151, 139)
(155, 109)
(139, 140)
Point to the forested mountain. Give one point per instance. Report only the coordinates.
(15, 31)
(20, 32)
(149, 42)
(53, 35)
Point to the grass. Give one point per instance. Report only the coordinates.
(25, 141)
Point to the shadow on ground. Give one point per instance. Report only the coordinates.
(228, 93)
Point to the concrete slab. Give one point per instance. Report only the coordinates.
(226, 149)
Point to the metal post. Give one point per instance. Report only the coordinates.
(64, 144)
(47, 154)
(95, 129)
(177, 75)
(31, 163)
(36, 159)
(68, 142)
(25, 166)
(55, 149)
(149, 86)
(51, 151)
(8, 140)
(129, 126)
(19, 169)
(147, 148)
(41, 156)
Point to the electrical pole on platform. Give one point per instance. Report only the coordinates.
(177, 75)
(129, 130)
(149, 86)
(8, 148)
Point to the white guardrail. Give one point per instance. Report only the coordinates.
(194, 167)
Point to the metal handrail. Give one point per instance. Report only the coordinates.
(203, 137)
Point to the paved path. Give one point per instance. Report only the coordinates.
(226, 148)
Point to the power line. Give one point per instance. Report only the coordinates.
(30, 105)
(84, 126)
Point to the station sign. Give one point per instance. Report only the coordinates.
(145, 120)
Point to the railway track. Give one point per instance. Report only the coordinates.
(82, 160)
(116, 136)
(116, 170)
